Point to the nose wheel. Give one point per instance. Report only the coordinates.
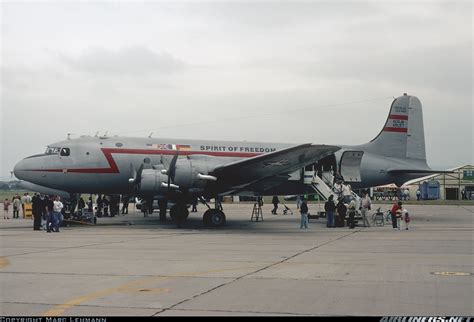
(214, 218)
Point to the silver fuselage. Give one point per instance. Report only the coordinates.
(104, 165)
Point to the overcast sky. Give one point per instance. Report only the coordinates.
(321, 72)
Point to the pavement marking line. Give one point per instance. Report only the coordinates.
(4, 262)
(130, 287)
(172, 307)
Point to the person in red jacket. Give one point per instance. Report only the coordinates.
(396, 210)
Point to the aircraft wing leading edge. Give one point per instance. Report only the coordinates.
(282, 162)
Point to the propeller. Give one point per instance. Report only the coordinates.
(136, 178)
(172, 168)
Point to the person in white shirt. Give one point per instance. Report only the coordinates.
(365, 207)
(57, 215)
(346, 193)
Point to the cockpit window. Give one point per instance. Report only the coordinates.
(52, 150)
(65, 152)
(56, 150)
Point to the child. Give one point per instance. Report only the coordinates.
(6, 205)
(406, 218)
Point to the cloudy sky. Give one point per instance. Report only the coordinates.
(323, 72)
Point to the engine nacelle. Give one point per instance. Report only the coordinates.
(152, 181)
(192, 173)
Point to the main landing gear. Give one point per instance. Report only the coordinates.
(214, 217)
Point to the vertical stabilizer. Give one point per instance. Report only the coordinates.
(402, 135)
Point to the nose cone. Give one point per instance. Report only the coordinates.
(26, 170)
(19, 170)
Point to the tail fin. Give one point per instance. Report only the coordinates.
(402, 135)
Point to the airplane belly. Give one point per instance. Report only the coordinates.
(87, 183)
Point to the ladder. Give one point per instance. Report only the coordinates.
(321, 187)
(257, 212)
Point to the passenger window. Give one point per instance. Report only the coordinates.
(65, 152)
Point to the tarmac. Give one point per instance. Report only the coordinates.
(135, 266)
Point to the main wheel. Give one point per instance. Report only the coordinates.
(214, 218)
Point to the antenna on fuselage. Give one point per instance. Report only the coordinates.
(149, 136)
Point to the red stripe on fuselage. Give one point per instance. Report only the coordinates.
(113, 168)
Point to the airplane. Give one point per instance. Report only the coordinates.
(179, 170)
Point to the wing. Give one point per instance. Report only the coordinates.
(282, 162)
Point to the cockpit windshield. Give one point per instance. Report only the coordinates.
(65, 152)
(52, 150)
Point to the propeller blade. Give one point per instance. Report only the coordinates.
(138, 178)
(171, 172)
(172, 169)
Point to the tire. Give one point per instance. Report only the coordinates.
(214, 218)
(217, 219)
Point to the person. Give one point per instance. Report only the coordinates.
(341, 212)
(106, 203)
(29, 200)
(338, 189)
(396, 210)
(57, 215)
(99, 206)
(275, 202)
(37, 211)
(49, 209)
(90, 205)
(304, 214)
(406, 218)
(125, 202)
(23, 202)
(352, 210)
(406, 194)
(365, 207)
(145, 208)
(338, 178)
(44, 211)
(298, 201)
(81, 205)
(418, 194)
(6, 205)
(195, 201)
(330, 208)
(16, 202)
(346, 193)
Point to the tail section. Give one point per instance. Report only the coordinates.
(402, 135)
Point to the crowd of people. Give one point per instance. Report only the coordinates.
(17, 203)
(47, 211)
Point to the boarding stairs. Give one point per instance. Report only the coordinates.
(324, 188)
(321, 186)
